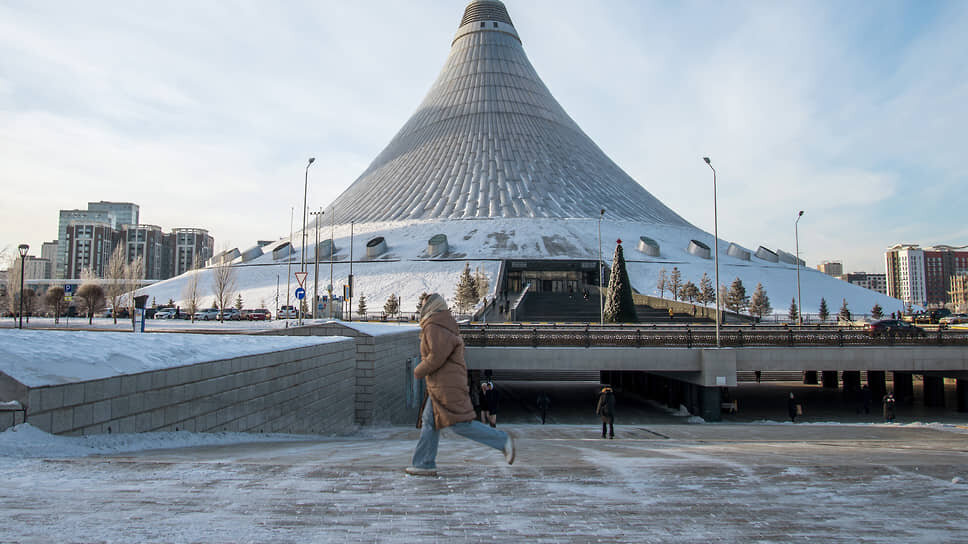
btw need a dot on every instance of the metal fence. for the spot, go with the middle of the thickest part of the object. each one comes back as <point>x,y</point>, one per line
<point>688,337</point>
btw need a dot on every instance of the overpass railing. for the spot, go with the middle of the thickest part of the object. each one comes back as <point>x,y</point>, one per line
<point>687,337</point>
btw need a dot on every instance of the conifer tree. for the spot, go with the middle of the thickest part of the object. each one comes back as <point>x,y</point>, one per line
<point>690,292</point>
<point>794,313</point>
<point>707,293</point>
<point>421,300</point>
<point>238,302</point>
<point>760,303</point>
<point>361,306</point>
<point>877,312</point>
<point>736,299</point>
<point>619,304</point>
<point>392,305</point>
<point>844,313</point>
<point>675,283</point>
<point>824,312</point>
<point>466,292</point>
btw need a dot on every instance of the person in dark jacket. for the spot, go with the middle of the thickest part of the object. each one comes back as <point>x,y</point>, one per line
<point>792,408</point>
<point>606,409</point>
<point>491,400</point>
<point>442,365</point>
<point>889,405</point>
<point>544,402</point>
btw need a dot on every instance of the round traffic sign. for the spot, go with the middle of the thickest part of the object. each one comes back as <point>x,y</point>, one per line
<point>300,293</point>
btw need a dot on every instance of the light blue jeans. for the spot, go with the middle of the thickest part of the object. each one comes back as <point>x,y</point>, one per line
<point>425,456</point>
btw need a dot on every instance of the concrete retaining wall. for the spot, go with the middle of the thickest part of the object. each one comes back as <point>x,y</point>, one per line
<point>302,390</point>
<point>384,366</point>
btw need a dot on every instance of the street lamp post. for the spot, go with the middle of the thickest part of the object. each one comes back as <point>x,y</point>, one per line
<point>23,248</point>
<point>716,249</point>
<point>302,250</point>
<point>316,259</point>
<point>796,235</point>
<point>288,267</point>
<point>601,273</point>
<point>332,257</point>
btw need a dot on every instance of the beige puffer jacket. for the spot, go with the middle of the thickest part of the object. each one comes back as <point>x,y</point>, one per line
<point>442,364</point>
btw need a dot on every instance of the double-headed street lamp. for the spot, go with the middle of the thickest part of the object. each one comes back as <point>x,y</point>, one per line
<point>601,273</point>
<point>716,245</point>
<point>316,259</point>
<point>796,234</point>
<point>23,248</point>
<point>302,252</point>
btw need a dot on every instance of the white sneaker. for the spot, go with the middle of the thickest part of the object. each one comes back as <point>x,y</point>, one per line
<point>509,450</point>
<point>417,471</point>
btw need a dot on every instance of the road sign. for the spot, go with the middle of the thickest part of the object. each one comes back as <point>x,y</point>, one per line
<point>68,298</point>
<point>300,293</point>
<point>301,277</point>
<point>68,289</point>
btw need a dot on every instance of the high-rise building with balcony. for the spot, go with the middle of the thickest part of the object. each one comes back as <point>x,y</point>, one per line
<point>192,247</point>
<point>89,245</point>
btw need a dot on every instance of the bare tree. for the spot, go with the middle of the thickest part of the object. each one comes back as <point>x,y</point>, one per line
<point>481,282</point>
<point>662,282</point>
<point>54,299</point>
<point>223,286</point>
<point>191,293</point>
<point>134,274</point>
<point>115,275</point>
<point>91,294</point>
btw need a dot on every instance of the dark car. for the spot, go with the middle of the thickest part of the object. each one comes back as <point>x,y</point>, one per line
<point>260,314</point>
<point>893,327</point>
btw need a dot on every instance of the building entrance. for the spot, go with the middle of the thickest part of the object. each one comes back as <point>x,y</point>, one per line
<point>551,276</point>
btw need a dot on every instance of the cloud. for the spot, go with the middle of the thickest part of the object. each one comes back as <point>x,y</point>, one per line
<point>203,113</point>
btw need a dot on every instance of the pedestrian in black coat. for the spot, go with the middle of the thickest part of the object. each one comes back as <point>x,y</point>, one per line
<point>606,409</point>
<point>544,402</point>
<point>491,399</point>
<point>792,408</point>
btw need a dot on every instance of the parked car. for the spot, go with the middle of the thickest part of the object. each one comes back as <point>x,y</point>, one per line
<point>258,314</point>
<point>122,313</point>
<point>206,315</point>
<point>165,313</point>
<point>886,327</point>
<point>287,312</point>
<point>231,314</point>
<point>931,316</point>
<point>954,319</point>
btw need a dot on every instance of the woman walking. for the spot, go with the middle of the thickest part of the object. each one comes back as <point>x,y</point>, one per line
<point>442,364</point>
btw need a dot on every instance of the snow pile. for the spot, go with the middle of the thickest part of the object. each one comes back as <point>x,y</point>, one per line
<point>26,441</point>
<point>39,358</point>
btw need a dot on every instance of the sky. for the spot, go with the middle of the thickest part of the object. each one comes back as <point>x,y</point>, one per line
<point>204,114</point>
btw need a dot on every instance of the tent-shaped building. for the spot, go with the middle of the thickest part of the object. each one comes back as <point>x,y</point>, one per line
<point>491,171</point>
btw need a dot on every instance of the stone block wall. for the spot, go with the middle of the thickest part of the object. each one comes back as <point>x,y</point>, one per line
<point>384,367</point>
<point>301,390</point>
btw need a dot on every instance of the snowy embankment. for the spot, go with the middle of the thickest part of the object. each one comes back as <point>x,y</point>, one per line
<point>40,358</point>
<point>406,270</point>
<point>26,441</point>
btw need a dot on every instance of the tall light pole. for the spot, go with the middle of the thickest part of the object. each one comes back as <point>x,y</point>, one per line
<point>716,243</point>
<point>601,273</point>
<point>302,251</point>
<point>332,257</point>
<point>316,259</point>
<point>23,248</point>
<point>288,267</point>
<point>796,234</point>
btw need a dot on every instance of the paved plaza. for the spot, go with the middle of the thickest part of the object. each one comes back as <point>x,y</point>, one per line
<point>667,482</point>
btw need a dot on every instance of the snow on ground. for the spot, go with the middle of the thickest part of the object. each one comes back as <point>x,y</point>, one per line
<point>405,269</point>
<point>26,441</point>
<point>39,358</point>
<point>665,483</point>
